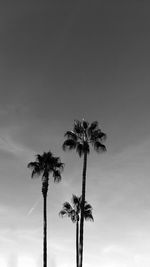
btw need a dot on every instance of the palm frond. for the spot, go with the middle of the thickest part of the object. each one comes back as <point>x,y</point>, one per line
<point>60,166</point>
<point>69,144</point>
<point>45,156</point>
<point>88,216</point>
<point>57,164</point>
<point>48,154</point>
<point>67,210</point>
<point>88,212</point>
<point>98,135</point>
<point>92,127</point>
<point>87,207</point>
<point>99,147</point>
<point>80,199</point>
<point>85,124</point>
<point>78,129</point>
<point>62,213</point>
<point>67,206</point>
<point>36,173</point>
<point>103,136</point>
<point>71,135</point>
<point>39,159</point>
<point>73,216</point>
<point>79,149</point>
<point>32,165</point>
<point>75,201</point>
<point>57,176</point>
<point>82,147</point>
<point>36,169</point>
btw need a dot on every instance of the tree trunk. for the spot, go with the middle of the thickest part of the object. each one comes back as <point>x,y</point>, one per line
<point>77,243</point>
<point>82,209</point>
<point>44,192</point>
<point>45,232</point>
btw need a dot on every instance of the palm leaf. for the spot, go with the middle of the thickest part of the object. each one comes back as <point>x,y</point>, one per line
<point>99,147</point>
<point>67,210</point>
<point>85,124</point>
<point>92,127</point>
<point>73,216</point>
<point>39,159</point>
<point>60,166</point>
<point>67,206</point>
<point>80,199</point>
<point>57,176</point>
<point>62,213</point>
<point>88,216</point>
<point>76,203</point>
<point>75,200</point>
<point>79,149</point>
<point>98,134</point>
<point>87,207</point>
<point>82,147</point>
<point>36,169</point>
<point>69,144</point>
<point>88,212</point>
<point>71,135</point>
<point>78,129</point>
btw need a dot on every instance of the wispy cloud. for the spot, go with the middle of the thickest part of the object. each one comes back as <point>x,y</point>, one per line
<point>8,145</point>
<point>34,206</point>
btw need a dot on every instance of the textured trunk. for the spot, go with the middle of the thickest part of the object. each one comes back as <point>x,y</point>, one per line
<point>77,243</point>
<point>45,232</point>
<point>44,192</point>
<point>82,209</point>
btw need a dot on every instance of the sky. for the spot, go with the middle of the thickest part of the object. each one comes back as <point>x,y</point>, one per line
<point>66,60</point>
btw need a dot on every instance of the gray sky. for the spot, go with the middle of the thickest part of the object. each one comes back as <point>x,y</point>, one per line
<point>60,61</point>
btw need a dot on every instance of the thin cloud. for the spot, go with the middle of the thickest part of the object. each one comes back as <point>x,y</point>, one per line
<point>9,146</point>
<point>33,207</point>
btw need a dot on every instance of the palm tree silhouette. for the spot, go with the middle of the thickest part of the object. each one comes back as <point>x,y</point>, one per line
<point>74,212</point>
<point>81,138</point>
<point>44,165</point>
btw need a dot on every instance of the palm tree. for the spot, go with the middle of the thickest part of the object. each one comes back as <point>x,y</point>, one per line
<point>81,138</point>
<point>44,165</point>
<point>74,212</point>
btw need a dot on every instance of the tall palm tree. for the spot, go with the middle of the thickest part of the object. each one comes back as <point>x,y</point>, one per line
<point>81,138</point>
<point>43,166</point>
<point>74,212</point>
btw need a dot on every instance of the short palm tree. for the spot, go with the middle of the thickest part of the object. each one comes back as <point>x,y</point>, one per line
<point>74,213</point>
<point>43,166</point>
<point>81,138</point>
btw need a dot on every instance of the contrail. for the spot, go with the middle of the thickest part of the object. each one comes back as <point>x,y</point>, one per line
<point>33,207</point>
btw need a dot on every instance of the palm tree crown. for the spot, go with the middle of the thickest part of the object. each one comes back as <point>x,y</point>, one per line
<point>74,211</point>
<point>83,135</point>
<point>44,165</point>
